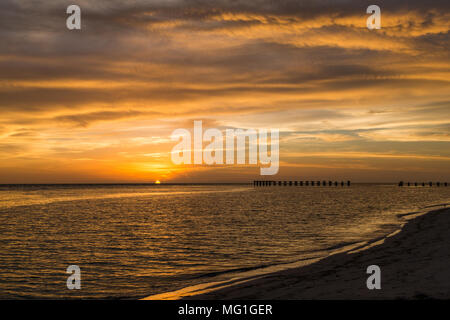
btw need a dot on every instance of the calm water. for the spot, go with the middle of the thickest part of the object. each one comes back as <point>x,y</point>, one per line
<point>133,241</point>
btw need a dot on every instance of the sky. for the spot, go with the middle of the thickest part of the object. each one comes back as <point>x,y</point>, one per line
<point>99,104</point>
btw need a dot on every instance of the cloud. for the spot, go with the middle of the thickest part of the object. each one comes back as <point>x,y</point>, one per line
<point>140,69</point>
<point>85,119</point>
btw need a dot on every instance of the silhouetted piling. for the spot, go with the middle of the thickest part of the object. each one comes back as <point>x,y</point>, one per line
<point>318,183</point>
<point>423,184</point>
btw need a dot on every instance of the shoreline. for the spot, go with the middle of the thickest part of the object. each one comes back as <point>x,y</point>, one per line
<point>414,262</point>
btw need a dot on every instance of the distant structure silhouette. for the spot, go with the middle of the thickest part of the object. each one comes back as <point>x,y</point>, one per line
<point>423,184</point>
<point>290,183</point>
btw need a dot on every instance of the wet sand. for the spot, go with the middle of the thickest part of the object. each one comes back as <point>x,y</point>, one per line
<point>415,264</point>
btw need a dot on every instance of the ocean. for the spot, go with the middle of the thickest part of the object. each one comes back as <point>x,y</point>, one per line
<point>132,241</point>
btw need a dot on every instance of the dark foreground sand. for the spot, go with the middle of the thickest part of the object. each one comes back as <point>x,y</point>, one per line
<point>415,264</point>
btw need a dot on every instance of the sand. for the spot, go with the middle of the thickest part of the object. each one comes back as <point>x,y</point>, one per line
<point>415,264</point>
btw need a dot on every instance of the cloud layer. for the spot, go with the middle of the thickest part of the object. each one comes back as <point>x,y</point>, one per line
<point>350,102</point>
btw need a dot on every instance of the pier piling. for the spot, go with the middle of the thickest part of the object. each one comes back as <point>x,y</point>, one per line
<point>423,184</point>
<point>313,183</point>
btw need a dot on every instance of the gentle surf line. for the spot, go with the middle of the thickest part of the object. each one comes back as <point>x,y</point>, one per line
<point>245,276</point>
<point>260,272</point>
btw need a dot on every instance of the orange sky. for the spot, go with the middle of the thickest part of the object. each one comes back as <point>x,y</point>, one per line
<point>99,105</point>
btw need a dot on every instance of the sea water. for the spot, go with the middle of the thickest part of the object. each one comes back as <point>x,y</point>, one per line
<point>132,241</point>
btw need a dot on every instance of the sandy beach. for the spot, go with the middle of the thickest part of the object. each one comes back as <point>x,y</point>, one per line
<point>415,264</point>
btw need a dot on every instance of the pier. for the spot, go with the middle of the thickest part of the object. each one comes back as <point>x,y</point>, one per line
<point>423,184</point>
<point>330,183</point>
<point>301,183</point>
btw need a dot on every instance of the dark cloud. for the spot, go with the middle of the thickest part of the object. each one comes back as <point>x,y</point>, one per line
<point>309,67</point>
<point>85,119</point>
<point>11,148</point>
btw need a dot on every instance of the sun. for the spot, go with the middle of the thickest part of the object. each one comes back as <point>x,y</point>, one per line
<point>157,182</point>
